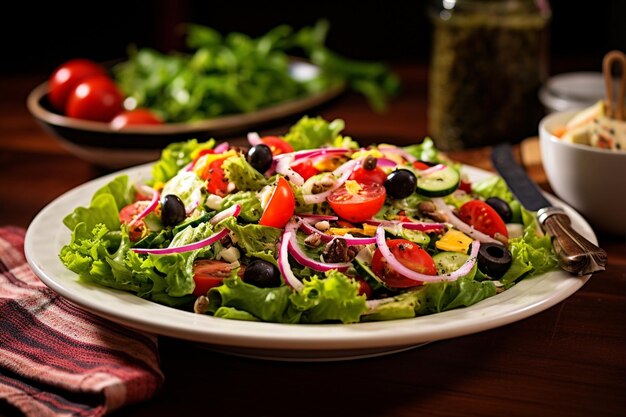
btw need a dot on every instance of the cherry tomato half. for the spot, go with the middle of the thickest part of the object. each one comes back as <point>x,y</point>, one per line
<point>208,274</point>
<point>277,145</point>
<point>135,117</point>
<point>280,207</point>
<point>409,254</point>
<point>364,176</point>
<point>483,218</point>
<point>67,76</point>
<point>95,98</point>
<point>129,213</point>
<point>359,206</point>
<point>216,180</point>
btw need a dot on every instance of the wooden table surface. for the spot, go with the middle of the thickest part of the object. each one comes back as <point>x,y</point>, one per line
<point>569,360</point>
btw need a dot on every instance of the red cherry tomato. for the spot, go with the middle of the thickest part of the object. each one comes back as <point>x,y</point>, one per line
<point>95,98</point>
<point>280,207</point>
<point>67,76</point>
<point>409,254</point>
<point>208,274</point>
<point>364,288</point>
<point>364,176</point>
<point>465,185</point>
<point>360,206</point>
<point>216,180</point>
<point>483,218</point>
<point>277,145</point>
<point>305,168</point>
<point>135,117</point>
<point>129,213</point>
<point>420,165</point>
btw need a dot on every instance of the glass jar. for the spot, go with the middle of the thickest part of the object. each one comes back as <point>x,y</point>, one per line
<point>489,59</point>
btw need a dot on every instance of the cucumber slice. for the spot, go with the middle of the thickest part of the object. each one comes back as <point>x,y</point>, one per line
<point>362,267</point>
<point>439,183</point>
<point>447,262</point>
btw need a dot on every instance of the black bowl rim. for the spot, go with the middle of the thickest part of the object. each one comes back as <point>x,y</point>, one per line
<point>224,123</point>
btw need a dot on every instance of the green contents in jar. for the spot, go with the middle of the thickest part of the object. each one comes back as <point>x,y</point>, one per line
<point>486,70</point>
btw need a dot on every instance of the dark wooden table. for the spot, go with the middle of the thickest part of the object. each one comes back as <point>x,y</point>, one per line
<point>569,360</point>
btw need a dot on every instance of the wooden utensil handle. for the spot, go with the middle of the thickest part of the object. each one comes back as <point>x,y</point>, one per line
<point>575,253</point>
<point>614,108</point>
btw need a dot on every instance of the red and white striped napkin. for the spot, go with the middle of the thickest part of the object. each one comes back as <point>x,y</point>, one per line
<point>59,360</point>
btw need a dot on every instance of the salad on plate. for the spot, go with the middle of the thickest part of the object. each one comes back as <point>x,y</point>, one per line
<point>308,227</point>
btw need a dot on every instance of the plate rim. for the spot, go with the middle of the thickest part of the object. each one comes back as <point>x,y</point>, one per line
<point>271,336</point>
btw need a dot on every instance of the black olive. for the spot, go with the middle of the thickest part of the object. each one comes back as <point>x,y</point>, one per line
<point>494,259</point>
<point>501,207</point>
<point>260,157</point>
<point>400,183</point>
<point>172,210</point>
<point>262,274</point>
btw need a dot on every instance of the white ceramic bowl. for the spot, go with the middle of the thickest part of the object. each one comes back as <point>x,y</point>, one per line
<point>591,180</point>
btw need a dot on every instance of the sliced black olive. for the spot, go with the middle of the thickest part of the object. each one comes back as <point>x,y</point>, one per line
<point>501,207</point>
<point>172,210</point>
<point>260,157</point>
<point>262,274</point>
<point>400,183</point>
<point>494,259</point>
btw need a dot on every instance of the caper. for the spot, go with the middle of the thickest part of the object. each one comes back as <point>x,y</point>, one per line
<point>400,183</point>
<point>260,157</point>
<point>172,210</point>
<point>262,274</point>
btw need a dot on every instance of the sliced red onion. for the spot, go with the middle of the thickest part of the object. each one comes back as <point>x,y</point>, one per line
<point>317,216</point>
<point>350,240</point>
<point>421,226</point>
<point>416,276</point>
<point>233,210</point>
<point>386,163</point>
<point>196,196</point>
<point>221,148</point>
<point>283,167</point>
<point>397,151</point>
<point>345,171</point>
<point>461,225</point>
<point>303,259</point>
<point>185,248</point>
<point>154,202</point>
<point>254,139</point>
<point>310,153</point>
<point>283,263</point>
<point>433,169</point>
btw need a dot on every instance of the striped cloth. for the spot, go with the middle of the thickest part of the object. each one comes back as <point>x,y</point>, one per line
<point>59,360</point>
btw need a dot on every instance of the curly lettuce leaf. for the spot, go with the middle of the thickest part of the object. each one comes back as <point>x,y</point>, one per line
<point>175,156</point>
<point>256,240</point>
<point>104,207</point>
<point>332,298</point>
<point>238,171</point>
<point>314,132</point>
<point>495,186</point>
<point>426,151</point>
<point>251,209</point>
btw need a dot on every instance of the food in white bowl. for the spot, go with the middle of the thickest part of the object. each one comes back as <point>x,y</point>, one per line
<point>591,179</point>
<point>594,127</point>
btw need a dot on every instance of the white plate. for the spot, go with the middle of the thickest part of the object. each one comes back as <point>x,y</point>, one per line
<point>46,235</point>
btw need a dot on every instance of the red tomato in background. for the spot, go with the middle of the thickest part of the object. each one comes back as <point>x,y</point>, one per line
<point>483,218</point>
<point>67,76</point>
<point>129,213</point>
<point>360,206</point>
<point>364,176</point>
<point>135,117</point>
<point>280,207</point>
<point>208,274</point>
<point>95,98</point>
<point>409,254</point>
<point>277,145</point>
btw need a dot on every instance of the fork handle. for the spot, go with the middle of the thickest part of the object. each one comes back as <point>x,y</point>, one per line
<point>575,253</point>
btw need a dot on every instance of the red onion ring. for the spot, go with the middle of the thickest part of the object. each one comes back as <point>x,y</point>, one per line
<point>283,263</point>
<point>397,151</point>
<point>283,167</point>
<point>185,248</point>
<point>461,225</point>
<point>154,202</point>
<point>420,226</point>
<point>233,210</point>
<point>308,229</point>
<point>416,276</point>
<point>312,216</point>
<point>344,170</point>
<point>386,163</point>
<point>254,139</point>
<point>426,172</point>
<point>221,148</point>
<point>303,259</point>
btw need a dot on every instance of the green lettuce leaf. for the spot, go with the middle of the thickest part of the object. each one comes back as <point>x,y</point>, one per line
<point>251,209</point>
<point>495,186</point>
<point>175,156</point>
<point>256,240</point>
<point>333,298</point>
<point>238,171</point>
<point>187,186</point>
<point>311,133</point>
<point>425,151</point>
